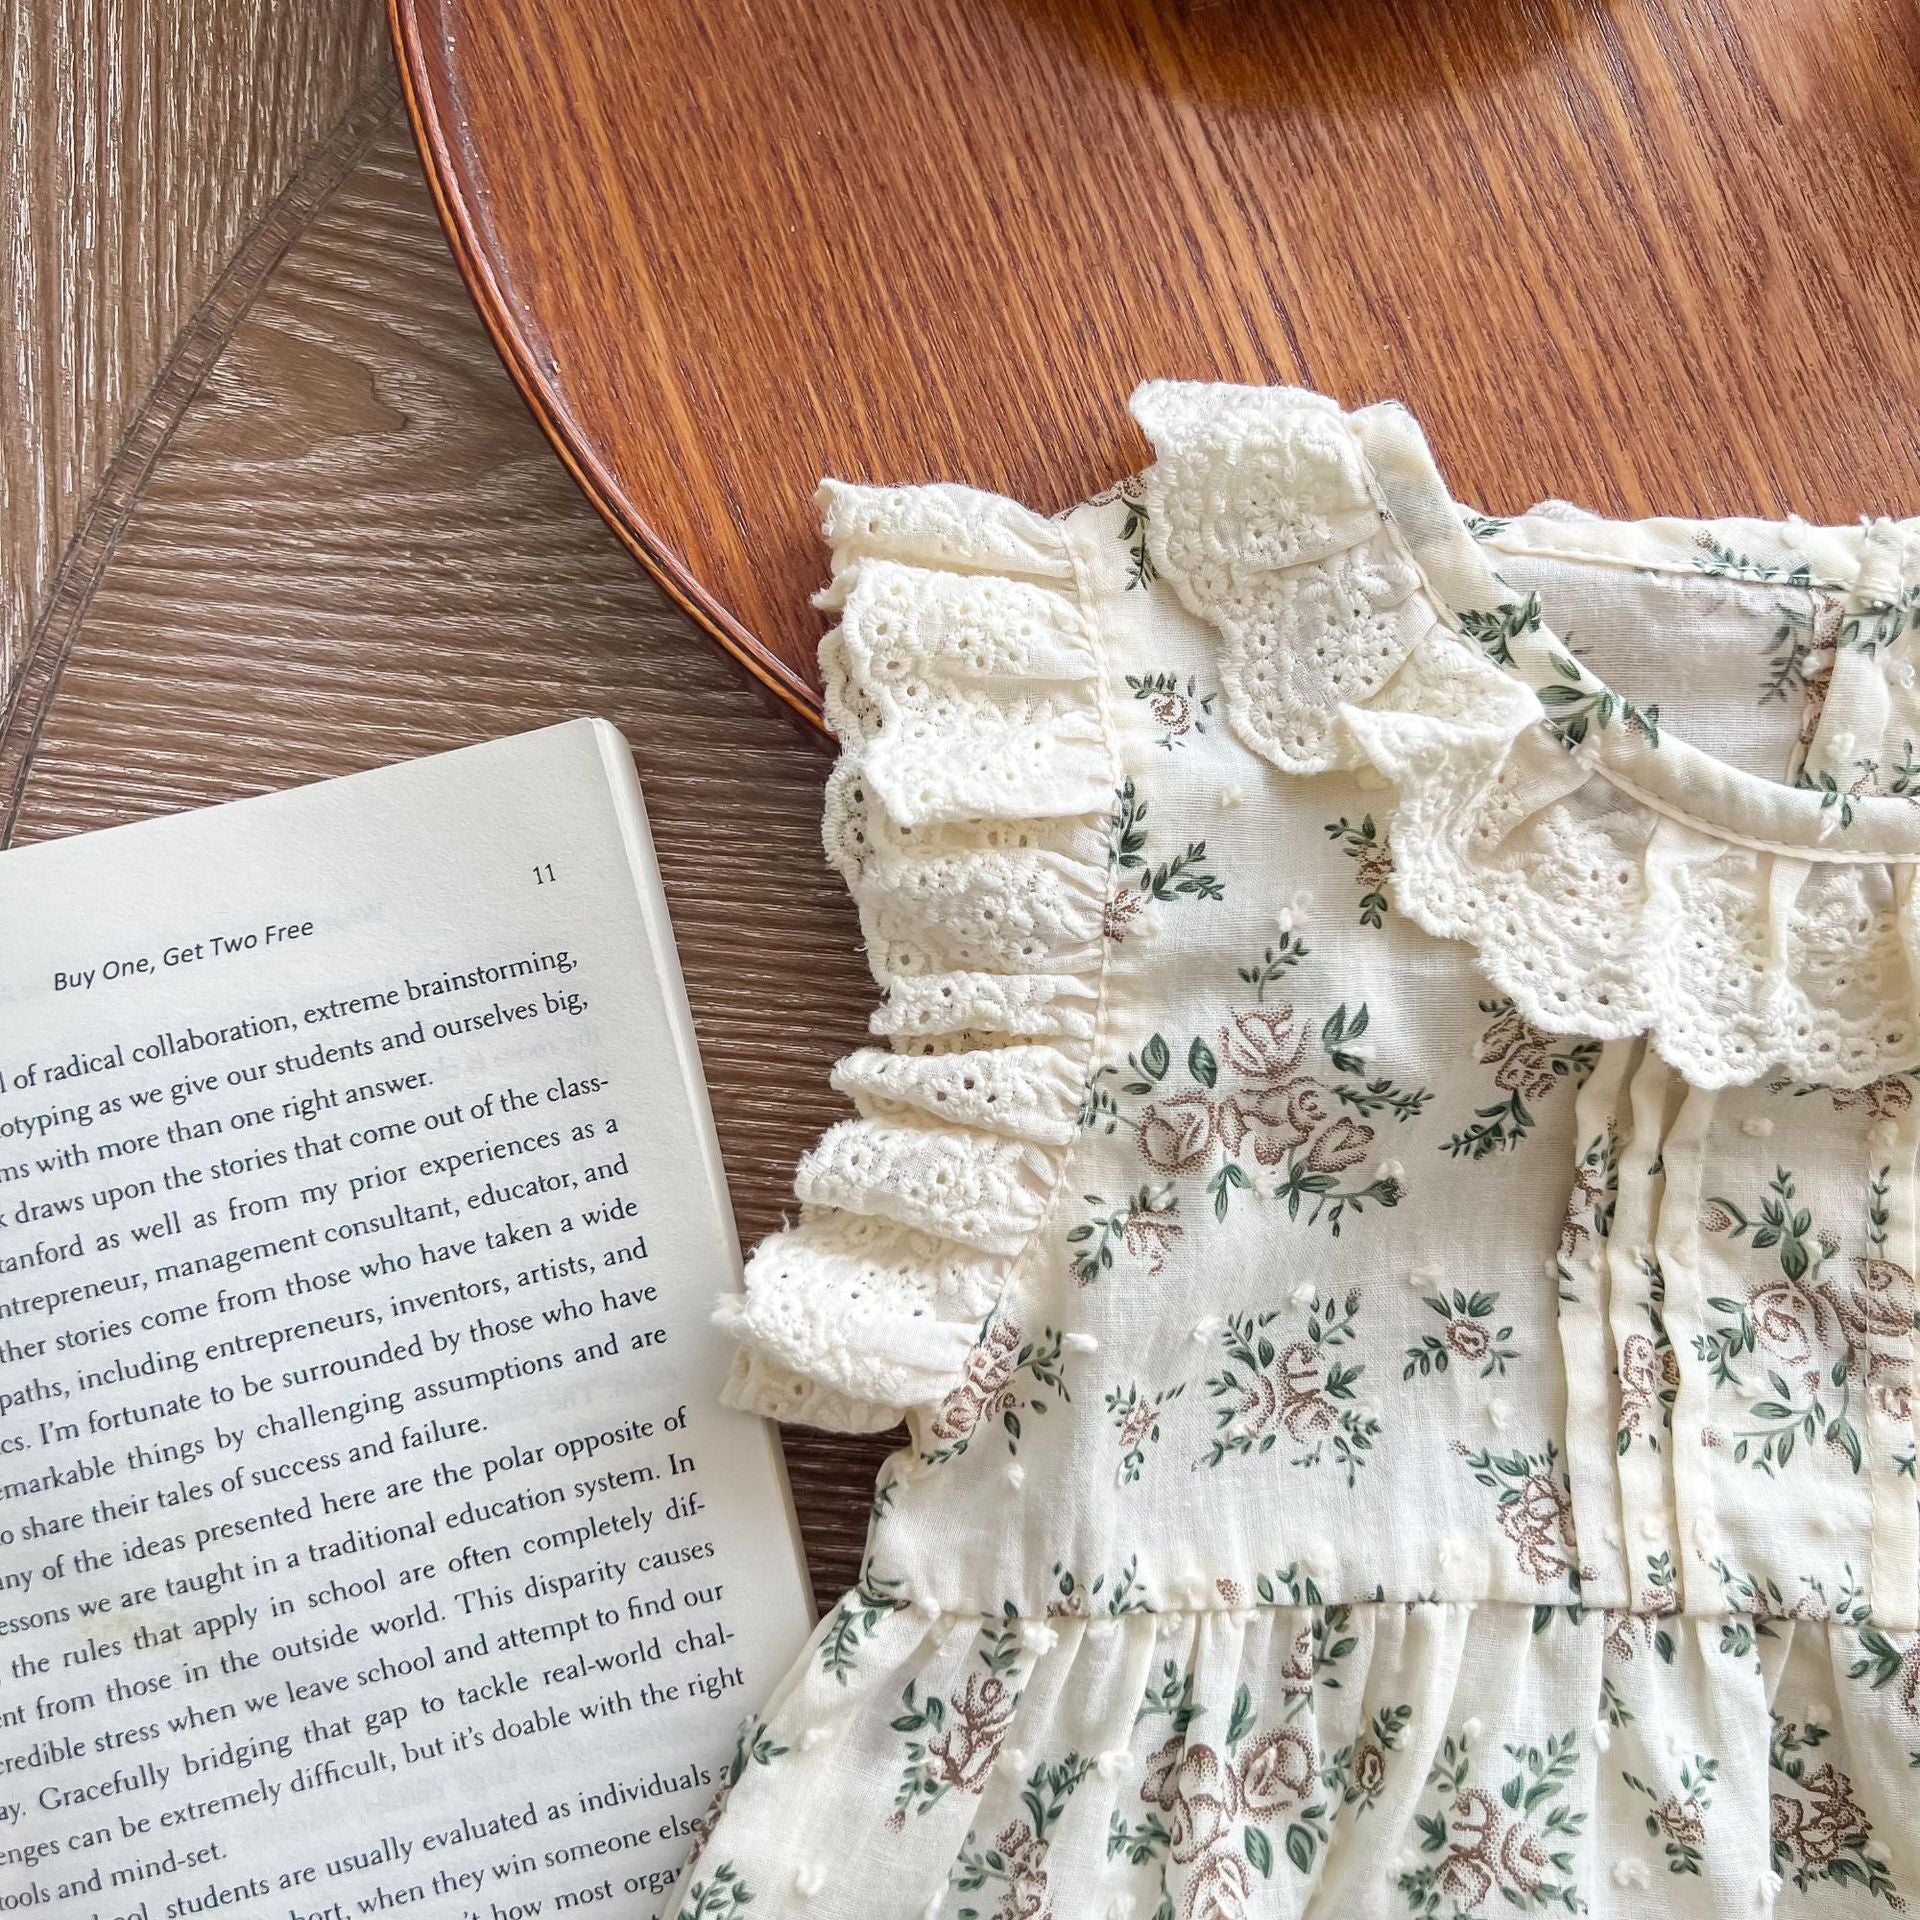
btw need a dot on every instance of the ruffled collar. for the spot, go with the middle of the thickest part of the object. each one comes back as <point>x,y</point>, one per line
<point>1614,879</point>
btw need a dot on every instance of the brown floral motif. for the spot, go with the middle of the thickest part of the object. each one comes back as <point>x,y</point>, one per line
<point>1627,1632</point>
<point>1682,1821</point>
<point>953,1742</point>
<point>1593,1196</point>
<point>1138,1418</point>
<point>1277,1771</point>
<point>1679,1819</point>
<point>1867,1310</point>
<point>1219,1802</point>
<point>997,1386</point>
<point>1519,1053</point>
<point>1358,1773</point>
<point>1220,1887</point>
<point>1468,1339</point>
<point>1516,1844</point>
<point>1527,1067</point>
<point>1826,1331</point>
<point>1200,1788</point>
<point>965,1753</point>
<point>1017,1860</point>
<point>1534,1511</point>
<point>1146,1227</point>
<point>1649,1378</point>
<point>1885,1664</point>
<point>1466,1336</point>
<point>1178,1133</point>
<point>1299,1389</point>
<point>1884,1099</point>
<point>1264,1046</point>
<point>1818,1829</point>
<point>1256,1091</point>
<point>1877,1314</point>
<point>1120,913</point>
<point>1025,1857</point>
<point>1176,704</point>
<point>1342,1145</point>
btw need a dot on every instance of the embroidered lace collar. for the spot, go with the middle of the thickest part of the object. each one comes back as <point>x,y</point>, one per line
<point>1614,879</point>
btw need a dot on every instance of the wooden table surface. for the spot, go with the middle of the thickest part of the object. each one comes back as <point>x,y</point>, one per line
<point>354,547</point>
<point>1644,254</point>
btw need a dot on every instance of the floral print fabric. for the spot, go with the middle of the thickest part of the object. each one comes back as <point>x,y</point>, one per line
<point>1406,1366</point>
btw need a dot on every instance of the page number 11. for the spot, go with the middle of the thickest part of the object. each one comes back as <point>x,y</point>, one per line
<point>543,876</point>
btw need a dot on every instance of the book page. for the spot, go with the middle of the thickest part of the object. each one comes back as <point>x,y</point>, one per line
<point>370,1535</point>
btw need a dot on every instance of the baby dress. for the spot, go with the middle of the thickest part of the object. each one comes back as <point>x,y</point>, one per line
<point>1385,1198</point>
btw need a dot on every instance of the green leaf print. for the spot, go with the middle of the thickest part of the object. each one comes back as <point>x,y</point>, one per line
<point>1577,703</point>
<point>856,1621</point>
<point>1274,964</point>
<point>1875,625</point>
<point>1468,1336</point>
<point>1366,845</point>
<point>1338,1034</point>
<point>1134,522</point>
<point>997,1386</point>
<point>718,1897</point>
<point>1527,1065</point>
<point>1138,1419</point>
<point>1246,1098</point>
<point>1719,561</point>
<point>1493,631</point>
<point>1154,1061</point>
<point>1825,1330</point>
<point>1145,1227</point>
<point>1141,880</point>
<point>1259,1852</point>
<point>1819,1830</point>
<point>1516,1842</point>
<point>1300,1392</point>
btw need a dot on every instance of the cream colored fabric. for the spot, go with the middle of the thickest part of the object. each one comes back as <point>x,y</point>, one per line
<point>1385,1199</point>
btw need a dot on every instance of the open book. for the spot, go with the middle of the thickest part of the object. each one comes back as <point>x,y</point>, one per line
<point>370,1534</point>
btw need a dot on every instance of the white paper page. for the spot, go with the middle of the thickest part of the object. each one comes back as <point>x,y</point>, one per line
<point>370,1535</point>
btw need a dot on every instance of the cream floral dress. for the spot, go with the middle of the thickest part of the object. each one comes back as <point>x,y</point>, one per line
<point>1385,1197</point>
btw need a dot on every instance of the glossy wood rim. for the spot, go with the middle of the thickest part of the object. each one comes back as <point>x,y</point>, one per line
<point>434,118</point>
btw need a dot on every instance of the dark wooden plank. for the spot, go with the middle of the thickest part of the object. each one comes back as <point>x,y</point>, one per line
<point>356,548</point>
<point>146,141</point>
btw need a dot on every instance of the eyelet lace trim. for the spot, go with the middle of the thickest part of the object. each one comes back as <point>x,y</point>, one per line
<point>965,814</point>
<point>1603,917</point>
<point>1598,913</point>
<point>1263,519</point>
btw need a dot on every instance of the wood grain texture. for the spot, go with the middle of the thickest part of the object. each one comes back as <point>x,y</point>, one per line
<point>1646,254</point>
<point>141,144</point>
<point>356,548</point>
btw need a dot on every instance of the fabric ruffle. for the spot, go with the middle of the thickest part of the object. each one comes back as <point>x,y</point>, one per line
<point>966,814</point>
<point>1318,1762</point>
<point>1611,882</point>
<point>1265,523</point>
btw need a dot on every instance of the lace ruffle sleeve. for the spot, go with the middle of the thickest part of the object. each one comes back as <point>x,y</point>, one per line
<point>966,815</point>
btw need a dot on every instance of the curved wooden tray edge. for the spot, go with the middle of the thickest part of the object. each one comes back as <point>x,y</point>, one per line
<point>420,88</point>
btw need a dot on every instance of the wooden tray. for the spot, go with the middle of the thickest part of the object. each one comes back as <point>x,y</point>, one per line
<point>1650,256</point>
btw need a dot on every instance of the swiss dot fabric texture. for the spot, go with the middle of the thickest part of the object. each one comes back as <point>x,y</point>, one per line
<point>1384,1195</point>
